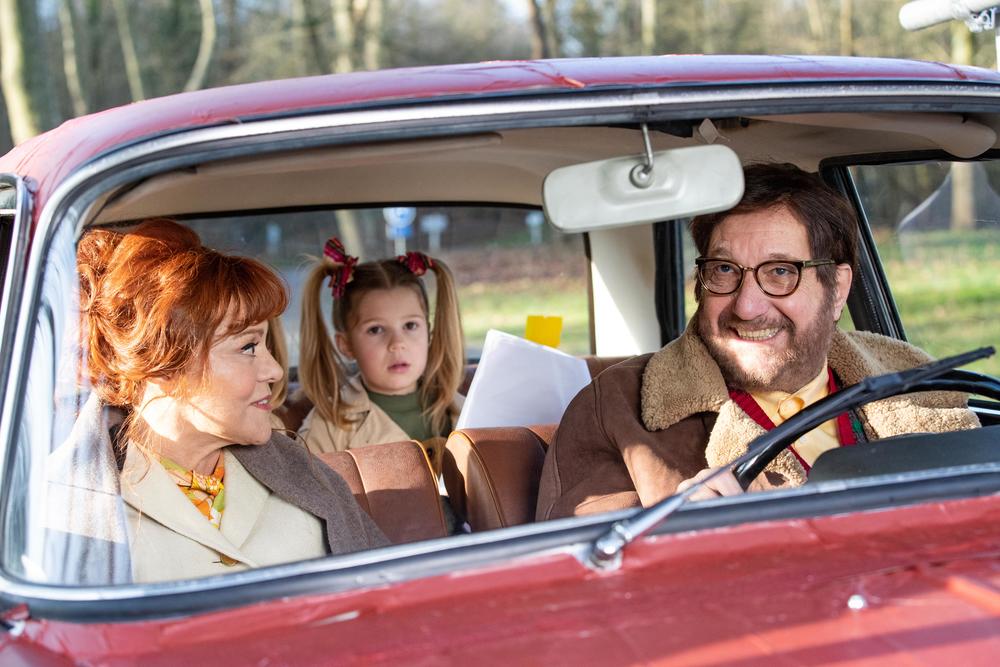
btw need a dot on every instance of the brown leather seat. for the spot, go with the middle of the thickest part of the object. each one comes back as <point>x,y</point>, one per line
<point>492,473</point>
<point>394,484</point>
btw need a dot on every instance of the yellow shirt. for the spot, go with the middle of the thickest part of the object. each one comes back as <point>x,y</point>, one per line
<point>781,406</point>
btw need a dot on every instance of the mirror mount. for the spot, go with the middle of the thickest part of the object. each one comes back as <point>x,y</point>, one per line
<point>641,175</point>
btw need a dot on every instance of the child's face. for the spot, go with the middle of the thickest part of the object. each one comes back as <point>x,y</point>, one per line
<point>389,340</point>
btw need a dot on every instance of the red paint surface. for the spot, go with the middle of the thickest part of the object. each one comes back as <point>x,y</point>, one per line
<point>768,594</point>
<point>51,157</point>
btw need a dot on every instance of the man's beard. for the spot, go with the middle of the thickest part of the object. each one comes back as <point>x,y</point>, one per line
<point>789,370</point>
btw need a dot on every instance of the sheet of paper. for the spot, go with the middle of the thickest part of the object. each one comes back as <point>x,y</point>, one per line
<point>518,383</point>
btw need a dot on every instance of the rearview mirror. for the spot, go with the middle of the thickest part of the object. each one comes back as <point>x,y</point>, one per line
<point>682,182</point>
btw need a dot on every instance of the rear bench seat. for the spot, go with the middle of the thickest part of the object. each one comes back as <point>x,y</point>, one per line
<point>394,484</point>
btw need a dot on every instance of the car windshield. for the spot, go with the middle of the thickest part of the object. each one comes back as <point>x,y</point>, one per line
<point>931,231</point>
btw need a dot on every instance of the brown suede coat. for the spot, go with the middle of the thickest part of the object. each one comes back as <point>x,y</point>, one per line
<point>646,424</point>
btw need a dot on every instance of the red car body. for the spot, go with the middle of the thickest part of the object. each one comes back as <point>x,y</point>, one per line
<point>914,582</point>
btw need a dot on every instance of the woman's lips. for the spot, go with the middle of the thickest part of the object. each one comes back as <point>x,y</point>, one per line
<point>263,404</point>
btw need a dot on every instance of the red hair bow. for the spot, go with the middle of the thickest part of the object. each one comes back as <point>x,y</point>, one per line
<point>333,249</point>
<point>416,262</point>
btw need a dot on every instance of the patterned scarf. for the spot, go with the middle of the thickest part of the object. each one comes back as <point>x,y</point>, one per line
<point>207,492</point>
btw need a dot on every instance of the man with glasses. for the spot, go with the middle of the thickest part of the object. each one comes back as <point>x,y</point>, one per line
<point>773,277</point>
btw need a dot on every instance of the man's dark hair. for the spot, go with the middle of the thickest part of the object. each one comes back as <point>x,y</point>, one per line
<point>828,217</point>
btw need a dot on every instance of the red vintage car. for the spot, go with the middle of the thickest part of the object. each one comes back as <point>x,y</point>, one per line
<point>895,559</point>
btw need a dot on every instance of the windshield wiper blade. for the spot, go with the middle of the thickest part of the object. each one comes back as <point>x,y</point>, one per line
<point>606,551</point>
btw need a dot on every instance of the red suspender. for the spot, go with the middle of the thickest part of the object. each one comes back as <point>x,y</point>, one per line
<point>845,434</point>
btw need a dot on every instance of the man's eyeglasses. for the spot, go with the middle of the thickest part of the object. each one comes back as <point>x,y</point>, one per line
<point>776,278</point>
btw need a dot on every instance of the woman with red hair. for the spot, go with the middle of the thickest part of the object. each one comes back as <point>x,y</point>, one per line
<point>174,340</point>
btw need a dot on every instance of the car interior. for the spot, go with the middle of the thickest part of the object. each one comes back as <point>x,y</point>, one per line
<point>490,474</point>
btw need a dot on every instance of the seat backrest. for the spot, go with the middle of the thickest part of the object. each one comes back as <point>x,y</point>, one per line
<point>394,484</point>
<point>492,473</point>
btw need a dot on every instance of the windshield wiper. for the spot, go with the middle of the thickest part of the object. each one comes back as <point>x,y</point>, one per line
<point>606,552</point>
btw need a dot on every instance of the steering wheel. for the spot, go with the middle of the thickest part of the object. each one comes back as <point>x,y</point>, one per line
<point>765,448</point>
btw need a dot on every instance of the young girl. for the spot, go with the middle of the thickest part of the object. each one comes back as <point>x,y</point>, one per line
<point>407,371</point>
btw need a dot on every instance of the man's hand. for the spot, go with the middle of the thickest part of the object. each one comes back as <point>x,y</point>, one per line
<point>723,485</point>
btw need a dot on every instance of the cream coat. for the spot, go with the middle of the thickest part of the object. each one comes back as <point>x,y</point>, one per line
<point>170,539</point>
<point>370,424</point>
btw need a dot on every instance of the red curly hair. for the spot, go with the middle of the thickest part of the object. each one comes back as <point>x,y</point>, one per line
<point>152,299</point>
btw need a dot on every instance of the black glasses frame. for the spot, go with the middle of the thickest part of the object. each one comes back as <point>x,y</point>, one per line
<point>799,264</point>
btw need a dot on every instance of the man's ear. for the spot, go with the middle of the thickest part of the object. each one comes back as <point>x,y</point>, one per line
<point>344,345</point>
<point>843,287</point>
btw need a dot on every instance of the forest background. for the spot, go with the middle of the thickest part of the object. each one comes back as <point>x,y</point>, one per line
<point>65,58</point>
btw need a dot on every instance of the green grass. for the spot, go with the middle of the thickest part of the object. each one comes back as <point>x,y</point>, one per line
<point>505,306</point>
<point>947,289</point>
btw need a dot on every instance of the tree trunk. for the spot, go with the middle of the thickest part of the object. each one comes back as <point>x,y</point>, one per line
<point>846,27</point>
<point>554,34</point>
<point>372,50</point>
<point>310,40</point>
<point>963,200</point>
<point>343,27</point>
<point>647,17</point>
<point>205,47</point>
<point>132,69</point>
<point>22,77</point>
<point>70,58</point>
<point>539,38</point>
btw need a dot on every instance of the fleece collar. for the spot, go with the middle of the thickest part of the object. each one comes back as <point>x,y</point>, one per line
<point>682,380</point>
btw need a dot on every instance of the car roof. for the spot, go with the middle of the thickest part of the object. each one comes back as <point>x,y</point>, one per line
<point>51,156</point>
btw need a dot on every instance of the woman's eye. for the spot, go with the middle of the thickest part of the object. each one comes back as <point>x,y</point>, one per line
<point>250,348</point>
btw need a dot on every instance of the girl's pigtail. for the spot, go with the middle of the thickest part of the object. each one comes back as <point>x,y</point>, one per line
<point>319,370</point>
<point>446,355</point>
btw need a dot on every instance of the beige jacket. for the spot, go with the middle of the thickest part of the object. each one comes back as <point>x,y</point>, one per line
<point>370,425</point>
<point>170,539</point>
<point>643,426</point>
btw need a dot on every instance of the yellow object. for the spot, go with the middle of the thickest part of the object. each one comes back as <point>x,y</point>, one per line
<point>543,329</point>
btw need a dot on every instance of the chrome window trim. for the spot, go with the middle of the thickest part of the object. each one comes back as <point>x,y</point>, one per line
<point>72,199</point>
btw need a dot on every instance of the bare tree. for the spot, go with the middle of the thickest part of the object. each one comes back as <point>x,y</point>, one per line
<point>132,69</point>
<point>647,14</point>
<point>22,74</point>
<point>553,33</point>
<point>70,60</point>
<point>372,48</point>
<point>358,28</point>
<point>206,46</point>
<point>539,34</point>
<point>963,197</point>
<point>307,25</point>
<point>846,27</point>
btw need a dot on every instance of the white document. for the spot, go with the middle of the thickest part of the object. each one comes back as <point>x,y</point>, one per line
<point>518,383</point>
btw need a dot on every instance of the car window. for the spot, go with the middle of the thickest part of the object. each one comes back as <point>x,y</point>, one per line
<point>937,229</point>
<point>508,263</point>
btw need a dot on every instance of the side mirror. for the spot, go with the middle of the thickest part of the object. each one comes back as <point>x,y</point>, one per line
<point>675,183</point>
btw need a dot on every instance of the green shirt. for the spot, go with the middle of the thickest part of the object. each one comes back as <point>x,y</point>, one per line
<point>406,411</point>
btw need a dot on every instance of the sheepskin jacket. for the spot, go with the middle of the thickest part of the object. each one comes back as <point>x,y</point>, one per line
<point>643,426</point>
